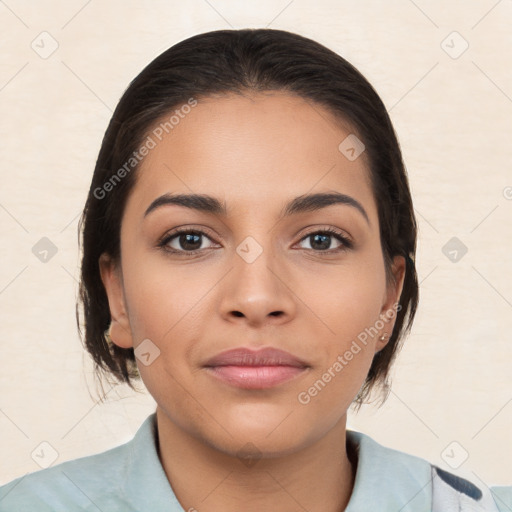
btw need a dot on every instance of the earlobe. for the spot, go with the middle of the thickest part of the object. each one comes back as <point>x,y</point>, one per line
<point>390,307</point>
<point>111,277</point>
<point>382,341</point>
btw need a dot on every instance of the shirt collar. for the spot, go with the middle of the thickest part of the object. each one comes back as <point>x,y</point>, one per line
<point>145,471</point>
<point>386,479</point>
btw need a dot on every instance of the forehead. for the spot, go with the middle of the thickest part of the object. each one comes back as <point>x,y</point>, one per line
<point>252,151</point>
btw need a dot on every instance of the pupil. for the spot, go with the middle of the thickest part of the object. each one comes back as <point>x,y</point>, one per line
<point>326,241</point>
<point>186,238</point>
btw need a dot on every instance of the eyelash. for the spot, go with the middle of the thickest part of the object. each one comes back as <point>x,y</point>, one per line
<point>346,242</point>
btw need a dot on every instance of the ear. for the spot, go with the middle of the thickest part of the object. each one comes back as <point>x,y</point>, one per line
<point>111,276</point>
<point>391,299</point>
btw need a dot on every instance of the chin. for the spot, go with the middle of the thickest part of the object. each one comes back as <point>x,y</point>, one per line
<point>249,448</point>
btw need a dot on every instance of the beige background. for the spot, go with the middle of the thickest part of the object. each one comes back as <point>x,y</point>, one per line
<point>452,112</point>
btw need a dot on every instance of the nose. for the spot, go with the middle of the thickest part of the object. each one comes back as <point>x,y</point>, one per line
<point>258,292</point>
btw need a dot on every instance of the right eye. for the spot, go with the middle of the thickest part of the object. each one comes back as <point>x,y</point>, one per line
<point>184,241</point>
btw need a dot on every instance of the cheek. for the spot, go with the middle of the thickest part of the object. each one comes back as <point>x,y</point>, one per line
<point>165,307</point>
<point>169,306</point>
<point>162,299</point>
<point>348,299</point>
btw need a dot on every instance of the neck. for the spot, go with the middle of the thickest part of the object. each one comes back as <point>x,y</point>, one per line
<point>318,477</point>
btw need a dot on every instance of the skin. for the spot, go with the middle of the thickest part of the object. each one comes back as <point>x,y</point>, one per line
<point>255,153</point>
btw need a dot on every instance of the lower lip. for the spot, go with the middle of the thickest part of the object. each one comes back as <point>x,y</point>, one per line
<point>255,377</point>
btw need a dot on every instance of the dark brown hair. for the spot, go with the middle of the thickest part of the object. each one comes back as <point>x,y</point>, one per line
<point>240,61</point>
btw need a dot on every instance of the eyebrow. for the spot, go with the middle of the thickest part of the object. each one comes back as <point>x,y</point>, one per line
<point>300,204</point>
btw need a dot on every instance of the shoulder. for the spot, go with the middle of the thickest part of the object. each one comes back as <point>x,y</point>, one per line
<point>71,485</point>
<point>126,478</point>
<point>105,481</point>
<point>414,484</point>
<point>503,497</point>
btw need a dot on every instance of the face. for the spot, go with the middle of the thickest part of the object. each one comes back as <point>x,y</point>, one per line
<point>310,281</point>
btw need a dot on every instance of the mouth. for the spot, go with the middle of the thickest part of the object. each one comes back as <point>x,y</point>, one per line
<point>249,369</point>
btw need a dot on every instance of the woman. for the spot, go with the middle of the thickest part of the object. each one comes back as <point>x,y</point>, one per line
<point>248,252</point>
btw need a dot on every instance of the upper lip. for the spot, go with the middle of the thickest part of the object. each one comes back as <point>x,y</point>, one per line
<point>248,357</point>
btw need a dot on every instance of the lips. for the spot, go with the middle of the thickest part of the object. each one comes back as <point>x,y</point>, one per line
<point>249,369</point>
<point>262,357</point>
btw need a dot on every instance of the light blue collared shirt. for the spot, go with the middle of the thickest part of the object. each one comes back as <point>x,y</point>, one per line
<point>130,478</point>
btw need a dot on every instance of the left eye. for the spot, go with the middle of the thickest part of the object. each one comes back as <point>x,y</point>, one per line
<point>321,240</point>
